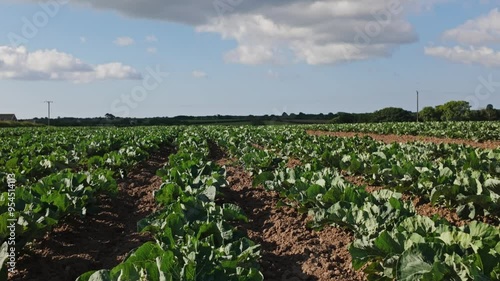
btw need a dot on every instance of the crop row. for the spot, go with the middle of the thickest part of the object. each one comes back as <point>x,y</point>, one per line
<point>478,131</point>
<point>194,234</point>
<point>39,152</point>
<point>392,241</point>
<point>194,238</point>
<point>47,191</point>
<point>451,175</point>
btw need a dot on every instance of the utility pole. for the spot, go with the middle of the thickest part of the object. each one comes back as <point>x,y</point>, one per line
<point>417,107</point>
<point>48,102</point>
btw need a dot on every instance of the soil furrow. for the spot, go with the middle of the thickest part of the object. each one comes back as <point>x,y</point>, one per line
<point>423,207</point>
<point>290,250</point>
<point>408,138</point>
<point>104,237</point>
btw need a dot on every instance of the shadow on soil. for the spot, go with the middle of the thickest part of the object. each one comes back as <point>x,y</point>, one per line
<point>104,237</point>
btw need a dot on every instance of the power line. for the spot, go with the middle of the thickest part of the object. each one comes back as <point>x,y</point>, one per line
<point>48,102</point>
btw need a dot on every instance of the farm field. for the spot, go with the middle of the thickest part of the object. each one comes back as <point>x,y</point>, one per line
<point>311,202</point>
<point>475,131</point>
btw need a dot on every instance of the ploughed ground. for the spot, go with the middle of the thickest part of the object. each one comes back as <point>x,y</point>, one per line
<point>422,207</point>
<point>290,250</point>
<point>103,238</point>
<point>425,208</point>
<point>408,138</point>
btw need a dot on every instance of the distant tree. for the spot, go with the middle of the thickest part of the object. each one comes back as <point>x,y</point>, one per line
<point>344,117</point>
<point>455,111</point>
<point>109,116</point>
<point>429,113</point>
<point>284,114</point>
<point>392,114</point>
<point>490,113</point>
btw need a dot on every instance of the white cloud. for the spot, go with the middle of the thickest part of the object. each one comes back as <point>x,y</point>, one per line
<point>252,54</point>
<point>315,32</point>
<point>319,33</point>
<point>476,38</point>
<point>124,41</point>
<point>483,55</point>
<point>480,31</point>
<point>83,40</point>
<point>151,38</point>
<point>20,64</point>
<point>152,50</point>
<point>196,12</point>
<point>199,74</point>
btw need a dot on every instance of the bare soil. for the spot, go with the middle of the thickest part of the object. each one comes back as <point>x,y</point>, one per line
<point>422,207</point>
<point>103,238</point>
<point>290,250</point>
<point>425,208</point>
<point>360,181</point>
<point>293,162</point>
<point>407,138</point>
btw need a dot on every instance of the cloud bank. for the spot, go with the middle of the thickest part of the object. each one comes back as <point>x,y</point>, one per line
<point>314,32</point>
<point>20,64</point>
<point>478,41</point>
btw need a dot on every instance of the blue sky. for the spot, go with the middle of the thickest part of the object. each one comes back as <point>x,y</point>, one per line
<point>245,57</point>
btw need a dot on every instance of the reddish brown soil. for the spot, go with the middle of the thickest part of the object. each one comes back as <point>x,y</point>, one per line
<point>427,209</point>
<point>407,138</point>
<point>360,181</point>
<point>290,251</point>
<point>293,162</point>
<point>101,239</point>
<point>422,207</point>
<point>258,146</point>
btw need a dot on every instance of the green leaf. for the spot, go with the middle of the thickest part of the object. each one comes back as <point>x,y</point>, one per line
<point>210,229</point>
<point>101,275</point>
<point>168,193</point>
<point>233,212</point>
<point>147,252</point>
<point>253,275</point>
<point>262,178</point>
<point>314,190</point>
<point>4,255</point>
<point>439,271</point>
<point>493,184</point>
<point>12,165</point>
<point>412,265</point>
<point>211,193</point>
<point>361,254</point>
<point>387,244</point>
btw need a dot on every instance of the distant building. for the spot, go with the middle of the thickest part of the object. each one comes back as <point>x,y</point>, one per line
<point>8,117</point>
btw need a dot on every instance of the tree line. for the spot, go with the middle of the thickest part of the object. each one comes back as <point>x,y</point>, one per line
<point>459,111</point>
<point>450,111</point>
